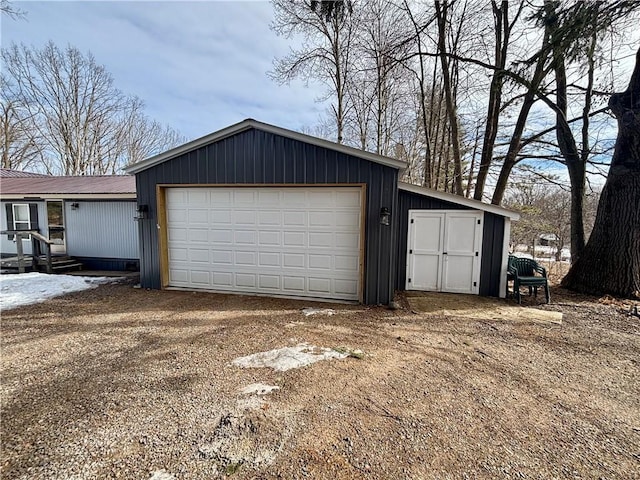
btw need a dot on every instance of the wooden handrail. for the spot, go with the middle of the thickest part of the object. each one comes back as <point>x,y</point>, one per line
<point>35,238</point>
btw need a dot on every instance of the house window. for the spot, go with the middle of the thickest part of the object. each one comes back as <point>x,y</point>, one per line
<point>21,217</point>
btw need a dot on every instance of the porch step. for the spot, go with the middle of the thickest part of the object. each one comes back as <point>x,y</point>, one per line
<point>61,264</point>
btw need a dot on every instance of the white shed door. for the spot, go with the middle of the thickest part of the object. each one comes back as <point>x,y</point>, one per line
<point>300,241</point>
<point>444,251</point>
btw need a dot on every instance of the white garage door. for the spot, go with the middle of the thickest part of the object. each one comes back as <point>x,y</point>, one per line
<point>302,242</point>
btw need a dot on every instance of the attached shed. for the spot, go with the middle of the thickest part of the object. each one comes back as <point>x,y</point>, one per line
<point>259,209</point>
<point>450,243</point>
<point>89,218</point>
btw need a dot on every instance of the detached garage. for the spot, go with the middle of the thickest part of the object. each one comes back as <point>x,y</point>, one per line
<point>259,209</point>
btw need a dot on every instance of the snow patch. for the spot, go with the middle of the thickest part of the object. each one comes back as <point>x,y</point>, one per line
<point>315,311</point>
<point>162,475</point>
<point>258,389</point>
<point>21,289</point>
<point>287,358</point>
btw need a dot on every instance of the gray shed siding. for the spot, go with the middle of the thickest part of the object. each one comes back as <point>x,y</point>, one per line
<point>101,229</point>
<point>492,234</point>
<point>255,157</point>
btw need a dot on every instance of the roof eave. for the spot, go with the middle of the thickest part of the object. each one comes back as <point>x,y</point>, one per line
<point>265,127</point>
<point>67,196</point>
<point>467,202</point>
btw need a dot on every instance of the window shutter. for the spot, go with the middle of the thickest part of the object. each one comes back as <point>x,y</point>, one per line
<point>33,216</point>
<point>9,207</point>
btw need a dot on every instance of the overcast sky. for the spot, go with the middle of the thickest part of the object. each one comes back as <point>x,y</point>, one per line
<point>198,66</point>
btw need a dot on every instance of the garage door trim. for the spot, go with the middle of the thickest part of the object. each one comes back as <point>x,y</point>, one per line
<point>162,226</point>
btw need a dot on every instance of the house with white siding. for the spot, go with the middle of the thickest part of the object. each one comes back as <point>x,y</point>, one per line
<point>89,218</point>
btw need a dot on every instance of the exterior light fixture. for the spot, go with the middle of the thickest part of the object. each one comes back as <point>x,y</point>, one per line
<point>75,206</point>
<point>385,216</point>
<point>141,212</point>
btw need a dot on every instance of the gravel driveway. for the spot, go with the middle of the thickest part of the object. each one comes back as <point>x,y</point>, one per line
<point>118,382</point>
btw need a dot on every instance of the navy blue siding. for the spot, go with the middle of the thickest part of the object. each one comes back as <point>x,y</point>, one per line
<point>492,243</point>
<point>492,234</point>
<point>258,157</point>
<point>110,264</point>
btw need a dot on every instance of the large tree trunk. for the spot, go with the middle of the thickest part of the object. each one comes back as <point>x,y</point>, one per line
<point>610,262</point>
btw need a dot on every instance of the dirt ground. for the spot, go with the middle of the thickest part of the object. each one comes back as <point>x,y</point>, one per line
<point>118,382</point>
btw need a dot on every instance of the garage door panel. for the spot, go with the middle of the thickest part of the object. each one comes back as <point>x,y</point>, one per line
<point>178,276</point>
<point>294,197</point>
<point>294,239</point>
<point>321,219</point>
<point>346,287</point>
<point>198,235</point>
<point>294,219</point>
<point>247,280</point>
<point>350,198</point>
<point>269,197</point>
<point>177,216</point>
<point>244,217</point>
<point>244,195</point>
<point>347,219</point>
<point>269,259</point>
<point>349,241</point>
<point>271,282</point>
<point>198,216</point>
<point>319,285</point>
<point>347,263</point>
<point>295,285</point>
<point>245,237</point>
<point>222,279</point>
<point>177,234</point>
<point>270,218</point>
<point>177,196</point>
<point>269,238</point>
<point>323,262</point>
<point>221,236</point>
<point>198,255</point>
<point>222,257</point>
<point>200,278</point>
<point>221,217</point>
<point>287,241</point>
<point>246,258</point>
<point>320,240</point>
<point>218,197</point>
<point>178,254</point>
<point>197,196</point>
<point>293,260</point>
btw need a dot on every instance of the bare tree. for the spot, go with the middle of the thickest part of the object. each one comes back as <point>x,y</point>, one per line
<point>503,26</point>
<point>324,55</point>
<point>7,8</point>
<point>68,104</point>
<point>442,11</point>
<point>19,148</point>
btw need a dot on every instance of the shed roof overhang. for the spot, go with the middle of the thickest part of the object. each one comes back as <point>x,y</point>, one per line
<point>460,200</point>
<point>265,127</point>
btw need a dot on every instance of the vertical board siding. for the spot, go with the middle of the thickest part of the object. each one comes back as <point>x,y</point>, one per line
<point>490,269</point>
<point>492,231</point>
<point>101,229</point>
<point>257,157</point>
